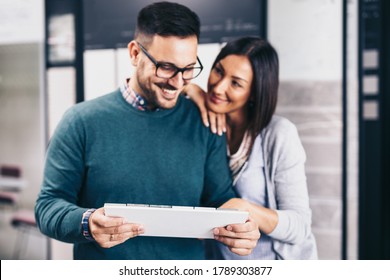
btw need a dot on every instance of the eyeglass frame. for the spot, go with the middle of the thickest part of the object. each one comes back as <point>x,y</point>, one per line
<point>178,69</point>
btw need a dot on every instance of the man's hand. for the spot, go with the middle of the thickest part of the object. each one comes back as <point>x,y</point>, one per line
<point>109,231</point>
<point>240,238</point>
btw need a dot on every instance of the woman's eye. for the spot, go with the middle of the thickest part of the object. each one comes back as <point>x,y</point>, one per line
<point>218,70</point>
<point>236,84</point>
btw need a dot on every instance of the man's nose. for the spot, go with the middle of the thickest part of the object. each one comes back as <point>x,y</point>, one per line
<point>177,81</point>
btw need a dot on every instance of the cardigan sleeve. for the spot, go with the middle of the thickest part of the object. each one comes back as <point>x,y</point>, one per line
<point>286,159</point>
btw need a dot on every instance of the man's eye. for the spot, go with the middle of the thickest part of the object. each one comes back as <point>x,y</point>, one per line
<point>167,67</point>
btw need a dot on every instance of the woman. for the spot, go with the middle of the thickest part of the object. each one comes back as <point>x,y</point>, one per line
<point>265,152</point>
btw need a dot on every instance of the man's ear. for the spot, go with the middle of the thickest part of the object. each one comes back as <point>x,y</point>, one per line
<point>134,52</point>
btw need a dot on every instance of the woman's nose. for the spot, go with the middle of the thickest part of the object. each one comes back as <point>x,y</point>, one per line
<point>221,86</point>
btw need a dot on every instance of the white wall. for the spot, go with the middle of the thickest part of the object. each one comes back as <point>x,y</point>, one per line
<point>21,21</point>
<point>307,36</point>
<point>21,105</point>
<point>21,42</point>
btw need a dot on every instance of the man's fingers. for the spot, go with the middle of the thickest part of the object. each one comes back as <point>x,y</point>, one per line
<point>118,230</point>
<point>111,231</point>
<point>99,219</point>
<point>124,229</point>
<point>114,236</point>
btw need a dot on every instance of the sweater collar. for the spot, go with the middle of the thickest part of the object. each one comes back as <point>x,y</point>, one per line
<point>133,98</point>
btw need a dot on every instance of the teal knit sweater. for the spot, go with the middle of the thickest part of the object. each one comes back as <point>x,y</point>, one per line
<point>104,150</point>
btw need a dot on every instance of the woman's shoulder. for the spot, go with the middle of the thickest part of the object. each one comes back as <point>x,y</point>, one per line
<point>279,126</point>
<point>281,140</point>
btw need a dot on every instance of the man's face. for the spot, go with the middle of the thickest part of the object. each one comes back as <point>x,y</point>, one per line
<point>164,92</point>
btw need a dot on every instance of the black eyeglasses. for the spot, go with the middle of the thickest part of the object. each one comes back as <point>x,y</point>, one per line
<point>168,70</point>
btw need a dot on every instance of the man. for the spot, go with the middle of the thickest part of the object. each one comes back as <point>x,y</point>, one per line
<point>141,144</point>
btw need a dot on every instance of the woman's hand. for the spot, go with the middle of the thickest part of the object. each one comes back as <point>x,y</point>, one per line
<point>216,122</point>
<point>266,219</point>
<point>240,238</point>
<point>237,203</point>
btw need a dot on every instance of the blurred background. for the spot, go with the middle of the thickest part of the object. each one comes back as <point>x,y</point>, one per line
<point>334,73</point>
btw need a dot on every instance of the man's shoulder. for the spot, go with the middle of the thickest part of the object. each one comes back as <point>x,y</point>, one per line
<point>189,107</point>
<point>98,101</point>
<point>189,116</point>
<point>93,106</point>
<point>186,102</point>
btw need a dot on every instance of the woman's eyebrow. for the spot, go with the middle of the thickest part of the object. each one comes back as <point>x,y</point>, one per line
<point>239,78</point>
<point>219,64</point>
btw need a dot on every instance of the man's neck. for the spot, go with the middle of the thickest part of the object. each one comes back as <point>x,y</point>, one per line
<point>133,84</point>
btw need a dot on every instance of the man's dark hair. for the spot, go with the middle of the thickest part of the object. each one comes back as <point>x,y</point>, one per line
<point>167,19</point>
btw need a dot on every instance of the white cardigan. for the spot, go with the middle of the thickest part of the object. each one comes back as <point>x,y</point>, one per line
<point>284,159</point>
<point>279,152</point>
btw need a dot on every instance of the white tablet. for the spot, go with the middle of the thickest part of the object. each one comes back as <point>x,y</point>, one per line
<point>176,221</point>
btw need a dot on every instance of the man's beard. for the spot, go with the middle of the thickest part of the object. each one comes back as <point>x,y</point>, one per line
<point>152,97</point>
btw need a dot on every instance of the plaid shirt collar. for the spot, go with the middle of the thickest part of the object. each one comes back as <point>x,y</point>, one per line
<point>133,98</point>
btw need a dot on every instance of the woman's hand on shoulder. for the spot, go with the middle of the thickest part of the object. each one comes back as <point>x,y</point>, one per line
<point>216,122</point>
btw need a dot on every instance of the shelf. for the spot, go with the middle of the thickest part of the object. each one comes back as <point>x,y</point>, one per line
<point>10,183</point>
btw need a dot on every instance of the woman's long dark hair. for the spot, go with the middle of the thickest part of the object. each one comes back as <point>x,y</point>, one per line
<point>264,89</point>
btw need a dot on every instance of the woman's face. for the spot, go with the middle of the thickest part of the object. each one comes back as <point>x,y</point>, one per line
<point>229,85</point>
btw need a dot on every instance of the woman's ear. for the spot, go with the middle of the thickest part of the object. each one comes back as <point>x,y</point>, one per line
<point>134,52</point>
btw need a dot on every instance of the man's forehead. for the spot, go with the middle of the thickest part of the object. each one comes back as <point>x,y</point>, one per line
<point>177,50</point>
